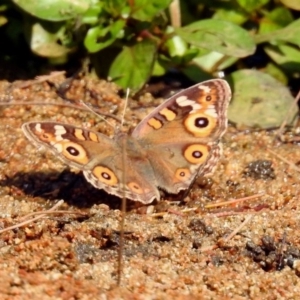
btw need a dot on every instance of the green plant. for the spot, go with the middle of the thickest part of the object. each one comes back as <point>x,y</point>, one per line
<point>136,37</point>
<point>129,41</point>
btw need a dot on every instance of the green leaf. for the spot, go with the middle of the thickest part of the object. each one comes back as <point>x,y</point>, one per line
<point>259,100</point>
<point>98,38</point>
<point>176,46</point>
<point>230,11</point>
<point>46,44</point>
<point>189,55</point>
<point>158,69</point>
<point>288,34</point>
<point>91,16</point>
<point>251,5</point>
<point>133,66</point>
<point>274,20</point>
<point>281,16</point>
<point>286,56</point>
<point>213,61</point>
<point>276,72</point>
<point>230,15</point>
<point>195,73</point>
<point>145,10</point>
<point>54,10</point>
<point>219,36</point>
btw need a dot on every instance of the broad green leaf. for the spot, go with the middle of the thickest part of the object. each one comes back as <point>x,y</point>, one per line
<point>133,66</point>
<point>208,61</point>
<point>251,5</point>
<point>274,20</point>
<point>176,46</point>
<point>45,44</point>
<point>213,61</point>
<point>293,4</point>
<point>286,56</point>
<point>219,36</point>
<point>145,10</point>
<point>281,16</point>
<point>288,34</point>
<point>178,49</point>
<point>91,16</point>
<point>189,55</point>
<point>259,100</point>
<point>54,10</point>
<point>195,73</point>
<point>98,38</point>
<point>231,15</point>
<point>273,70</point>
<point>158,69</point>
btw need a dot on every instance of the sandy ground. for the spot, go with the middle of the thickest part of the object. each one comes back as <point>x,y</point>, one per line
<point>180,252</point>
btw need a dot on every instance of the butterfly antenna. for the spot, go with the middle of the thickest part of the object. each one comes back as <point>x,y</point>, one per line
<point>99,116</point>
<point>125,106</point>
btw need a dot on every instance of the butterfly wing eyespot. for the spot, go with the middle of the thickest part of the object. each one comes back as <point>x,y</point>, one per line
<point>182,174</point>
<point>105,175</point>
<point>200,125</point>
<point>72,151</point>
<point>135,188</point>
<point>46,137</point>
<point>196,153</point>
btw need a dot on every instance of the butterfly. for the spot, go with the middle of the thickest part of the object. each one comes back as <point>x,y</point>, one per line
<point>177,141</point>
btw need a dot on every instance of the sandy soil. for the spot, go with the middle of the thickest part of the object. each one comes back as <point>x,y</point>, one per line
<point>181,252</point>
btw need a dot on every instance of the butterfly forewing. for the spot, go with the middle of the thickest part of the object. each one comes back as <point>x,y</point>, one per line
<point>199,111</point>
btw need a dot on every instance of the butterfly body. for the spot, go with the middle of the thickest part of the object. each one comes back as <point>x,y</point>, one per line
<point>168,149</point>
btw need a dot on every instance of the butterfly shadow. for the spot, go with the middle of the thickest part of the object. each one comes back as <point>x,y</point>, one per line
<point>76,191</point>
<point>68,186</point>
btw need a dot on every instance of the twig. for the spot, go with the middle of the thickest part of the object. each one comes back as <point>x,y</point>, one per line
<point>59,203</point>
<point>233,201</point>
<point>292,165</point>
<point>225,240</point>
<point>48,212</point>
<point>234,232</point>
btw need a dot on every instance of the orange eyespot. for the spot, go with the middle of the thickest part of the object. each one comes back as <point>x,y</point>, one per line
<point>200,125</point>
<point>105,175</point>
<point>182,174</point>
<point>45,137</point>
<point>135,188</point>
<point>196,153</point>
<point>73,152</point>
